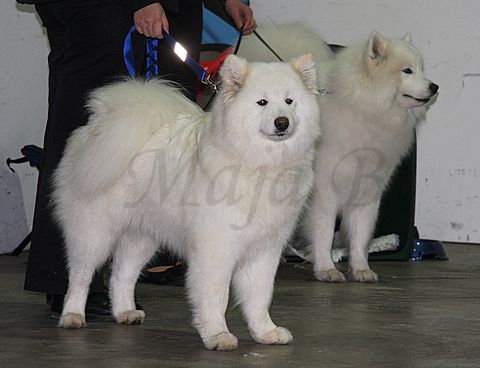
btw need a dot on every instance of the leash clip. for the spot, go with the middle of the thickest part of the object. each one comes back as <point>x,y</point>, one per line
<point>323,92</point>
<point>207,80</point>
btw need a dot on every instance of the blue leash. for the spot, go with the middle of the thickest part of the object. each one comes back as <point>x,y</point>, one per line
<point>152,58</point>
<point>187,59</point>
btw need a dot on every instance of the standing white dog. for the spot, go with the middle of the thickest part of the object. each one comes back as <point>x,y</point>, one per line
<point>372,96</point>
<point>222,189</point>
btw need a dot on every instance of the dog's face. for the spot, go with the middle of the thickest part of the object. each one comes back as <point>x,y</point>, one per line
<point>401,63</point>
<point>270,109</point>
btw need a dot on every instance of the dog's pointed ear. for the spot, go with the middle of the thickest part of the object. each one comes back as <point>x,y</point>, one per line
<point>377,46</point>
<point>233,73</point>
<point>305,67</point>
<point>407,37</point>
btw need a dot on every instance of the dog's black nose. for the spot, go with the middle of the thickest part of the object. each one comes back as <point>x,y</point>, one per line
<point>281,123</point>
<point>433,88</point>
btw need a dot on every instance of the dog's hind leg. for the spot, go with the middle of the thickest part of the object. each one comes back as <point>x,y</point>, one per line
<point>132,252</point>
<point>359,224</point>
<point>253,284</point>
<point>321,219</point>
<point>88,245</point>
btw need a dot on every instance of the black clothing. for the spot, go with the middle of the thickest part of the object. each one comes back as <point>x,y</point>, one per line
<point>86,40</point>
<point>171,5</point>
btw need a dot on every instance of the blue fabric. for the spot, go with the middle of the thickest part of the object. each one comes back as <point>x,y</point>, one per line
<point>152,58</point>
<point>191,62</point>
<point>128,55</point>
<point>216,30</point>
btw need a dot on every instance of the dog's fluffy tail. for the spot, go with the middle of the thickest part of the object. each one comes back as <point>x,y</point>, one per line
<point>124,116</point>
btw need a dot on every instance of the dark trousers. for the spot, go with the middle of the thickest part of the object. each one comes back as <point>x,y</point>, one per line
<point>86,41</point>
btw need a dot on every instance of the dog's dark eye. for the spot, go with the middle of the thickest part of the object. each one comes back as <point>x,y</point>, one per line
<point>407,71</point>
<point>288,101</point>
<point>262,102</point>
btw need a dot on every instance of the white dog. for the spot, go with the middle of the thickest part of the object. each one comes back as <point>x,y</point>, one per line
<point>222,189</point>
<point>372,96</point>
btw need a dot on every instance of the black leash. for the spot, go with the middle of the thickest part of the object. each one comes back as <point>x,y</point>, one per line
<point>322,92</point>
<point>235,52</point>
<point>237,47</point>
<point>267,45</point>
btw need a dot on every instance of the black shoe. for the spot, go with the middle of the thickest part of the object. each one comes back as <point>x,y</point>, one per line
<point>174,275</point>
<point>98,304</point>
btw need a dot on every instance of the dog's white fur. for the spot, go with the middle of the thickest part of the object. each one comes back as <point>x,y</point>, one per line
<point>222,189</point>
<point>370,104</point>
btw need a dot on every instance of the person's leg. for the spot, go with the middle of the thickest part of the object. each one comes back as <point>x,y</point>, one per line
<point>86,39</point>
<point>46,271</point>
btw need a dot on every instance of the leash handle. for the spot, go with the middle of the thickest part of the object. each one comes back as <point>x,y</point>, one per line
<point>152,58</point>
<point>128,55</point>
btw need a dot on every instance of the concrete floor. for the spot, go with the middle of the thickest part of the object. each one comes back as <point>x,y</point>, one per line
<point>424,314</point>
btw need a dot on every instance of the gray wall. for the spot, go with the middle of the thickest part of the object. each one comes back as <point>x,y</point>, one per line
<point>447,32</point>
<point>23,108</point>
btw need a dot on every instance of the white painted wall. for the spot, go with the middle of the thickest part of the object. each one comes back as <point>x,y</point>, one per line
<point>447,32</point>
<point>23,108</point>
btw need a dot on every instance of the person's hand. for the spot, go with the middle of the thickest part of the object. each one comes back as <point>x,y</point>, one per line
<point>242,15</point>
<point>151,20</point>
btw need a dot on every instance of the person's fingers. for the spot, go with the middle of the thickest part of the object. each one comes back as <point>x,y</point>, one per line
<point>238,19</point>
<point>251,27</point>
<point>242,16</point>
<point>139,28</point>
<point>147,28</point>
<point>247,14</point>
<point>138,21</point>
<point>165,24</point>
<point>249,21</point>
<point>160,24</point>
<point>138,24</point>
<point>157,30</point>
<point>142,27</point>
<point>150,28</point>
<point>151,20</point>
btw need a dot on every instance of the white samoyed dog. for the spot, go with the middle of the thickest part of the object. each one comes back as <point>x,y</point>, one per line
<point>371,96</point>
<point>221,189</point>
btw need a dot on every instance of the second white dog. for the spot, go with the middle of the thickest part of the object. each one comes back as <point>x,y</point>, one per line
<point>372,95</point>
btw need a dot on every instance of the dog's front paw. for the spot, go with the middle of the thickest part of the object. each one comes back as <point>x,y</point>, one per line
<point>132,317</point>
<point>364,276</point>
<point>72,320</point>
<point>223,341</point>
<point>332,275</point>
<point>277,336</point>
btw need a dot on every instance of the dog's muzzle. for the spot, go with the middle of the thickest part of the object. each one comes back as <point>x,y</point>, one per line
<point>433,88</point>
